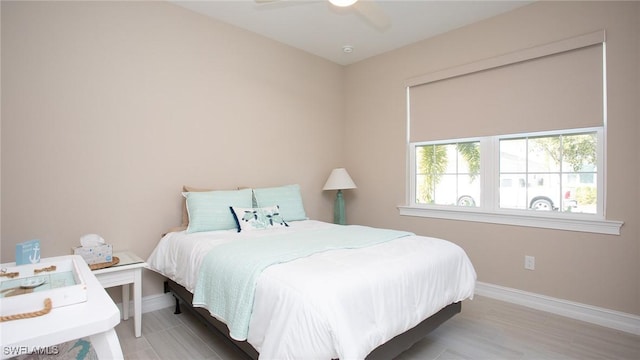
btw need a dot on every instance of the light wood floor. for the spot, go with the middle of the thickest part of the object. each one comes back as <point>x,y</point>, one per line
<point>486,329</point>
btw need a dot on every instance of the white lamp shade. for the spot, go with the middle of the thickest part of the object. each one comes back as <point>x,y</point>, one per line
<point>339,180</point>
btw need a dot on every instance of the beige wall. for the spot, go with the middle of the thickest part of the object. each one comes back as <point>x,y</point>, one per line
<point>108,108</point>
<point>599,270</point>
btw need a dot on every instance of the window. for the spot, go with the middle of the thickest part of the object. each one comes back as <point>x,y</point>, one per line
<point>553,172</point>
<point>545,179</point>
<point>448,173</point>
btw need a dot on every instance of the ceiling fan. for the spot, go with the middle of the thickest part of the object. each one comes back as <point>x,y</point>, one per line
<point>371,12</point>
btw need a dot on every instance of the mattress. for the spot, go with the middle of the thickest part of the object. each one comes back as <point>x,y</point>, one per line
<point>341,303</point>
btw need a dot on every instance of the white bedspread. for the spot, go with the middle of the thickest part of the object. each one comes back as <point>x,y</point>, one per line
<point>336,304</point>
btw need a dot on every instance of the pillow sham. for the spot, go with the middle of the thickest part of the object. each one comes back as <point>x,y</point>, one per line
<point>209,211</point>
<point>249,219</point>
<point>287,197</point>
<point>185,214</point>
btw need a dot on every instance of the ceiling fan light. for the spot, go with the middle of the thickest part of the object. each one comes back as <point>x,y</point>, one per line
<point>343,3</point>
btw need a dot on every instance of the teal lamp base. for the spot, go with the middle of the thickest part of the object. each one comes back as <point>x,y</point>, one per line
<point>338,210</point>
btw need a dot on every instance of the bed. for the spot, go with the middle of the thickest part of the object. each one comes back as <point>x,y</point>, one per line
<point>366,299</point>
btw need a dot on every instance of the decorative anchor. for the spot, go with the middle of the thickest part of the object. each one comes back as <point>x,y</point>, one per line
<point>35,258</point>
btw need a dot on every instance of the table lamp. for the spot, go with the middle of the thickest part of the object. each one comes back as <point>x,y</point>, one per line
<point>339,180</point>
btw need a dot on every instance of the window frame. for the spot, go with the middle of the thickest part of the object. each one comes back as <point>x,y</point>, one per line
<point>489,210</point>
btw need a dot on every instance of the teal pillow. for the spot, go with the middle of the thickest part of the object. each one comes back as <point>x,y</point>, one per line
<point>209,211</point>
<point>287,197</point>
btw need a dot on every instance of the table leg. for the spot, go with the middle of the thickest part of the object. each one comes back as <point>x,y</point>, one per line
<point>137,301</point>
<point>125,301</point>
<point>106,345</point>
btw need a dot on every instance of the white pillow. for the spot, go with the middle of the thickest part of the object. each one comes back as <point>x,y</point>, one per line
<point>250,219</point>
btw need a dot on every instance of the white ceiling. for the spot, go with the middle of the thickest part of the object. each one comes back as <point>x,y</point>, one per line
<point>371,27</point>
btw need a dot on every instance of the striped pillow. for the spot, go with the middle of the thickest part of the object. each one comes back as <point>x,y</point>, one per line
<point>287,197</point>
<point>209,211</point>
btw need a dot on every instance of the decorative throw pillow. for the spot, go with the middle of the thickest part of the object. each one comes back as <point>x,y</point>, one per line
<point>249,219</point>
<point>287,197</point>
<point>209,211</point>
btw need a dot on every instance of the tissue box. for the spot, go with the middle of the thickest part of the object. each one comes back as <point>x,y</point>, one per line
<point>95,254</point>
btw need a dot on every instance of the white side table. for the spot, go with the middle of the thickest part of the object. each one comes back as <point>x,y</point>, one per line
<point>127,271</point>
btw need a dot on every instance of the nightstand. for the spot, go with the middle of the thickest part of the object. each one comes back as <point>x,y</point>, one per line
<point>127,271</point>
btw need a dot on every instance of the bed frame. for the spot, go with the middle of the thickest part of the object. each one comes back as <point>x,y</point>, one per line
<point>388,350</point>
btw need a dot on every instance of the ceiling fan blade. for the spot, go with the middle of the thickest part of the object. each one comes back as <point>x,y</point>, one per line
<point>373,14</point>
<point>369,10</point>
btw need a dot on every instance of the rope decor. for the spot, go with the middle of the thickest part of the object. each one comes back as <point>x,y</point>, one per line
<point>114,261</point>
<point>10,275</point>
<point>45,269</point>
<point>46,310</point>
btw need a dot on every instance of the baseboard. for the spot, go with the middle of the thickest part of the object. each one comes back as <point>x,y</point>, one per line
<point>152,303</point>
<point>157,302</point>
<point>591,314</point>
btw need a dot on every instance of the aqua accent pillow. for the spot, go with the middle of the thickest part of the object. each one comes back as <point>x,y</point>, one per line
<point>209,211</point>
<point>249,219</point>
<point>287,197</point>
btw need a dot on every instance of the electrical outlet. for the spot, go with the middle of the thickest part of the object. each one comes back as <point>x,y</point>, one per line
<point>529,262</point>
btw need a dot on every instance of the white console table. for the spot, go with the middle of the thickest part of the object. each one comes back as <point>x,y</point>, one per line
<point>127,271</point>
<point>94,318</point>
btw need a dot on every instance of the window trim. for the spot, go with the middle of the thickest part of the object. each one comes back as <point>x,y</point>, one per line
<point>599,226</point>
<point>593,38</point>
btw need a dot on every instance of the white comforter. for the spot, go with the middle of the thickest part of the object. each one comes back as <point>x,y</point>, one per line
<point>336,304</point>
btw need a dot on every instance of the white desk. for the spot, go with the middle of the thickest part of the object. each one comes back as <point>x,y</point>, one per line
<point>95,318</point>
<point>127,271</point>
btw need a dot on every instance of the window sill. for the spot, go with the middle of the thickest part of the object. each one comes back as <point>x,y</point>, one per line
<point>590,225</point>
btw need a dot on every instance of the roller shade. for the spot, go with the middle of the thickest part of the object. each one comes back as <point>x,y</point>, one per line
<point>561,90</point>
